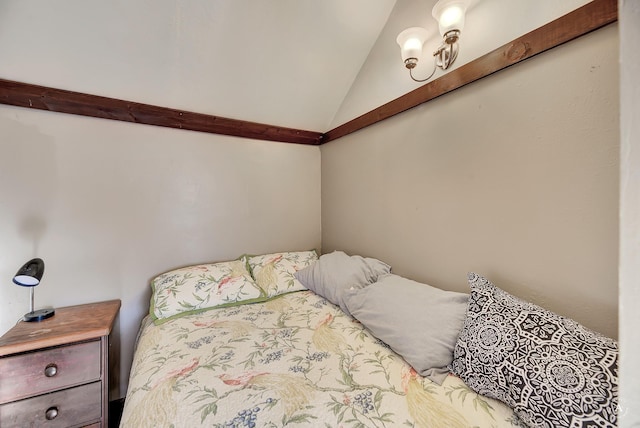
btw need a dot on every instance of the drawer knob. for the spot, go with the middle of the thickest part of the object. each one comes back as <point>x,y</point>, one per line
<point>51,370</point>
<point>51,413</point>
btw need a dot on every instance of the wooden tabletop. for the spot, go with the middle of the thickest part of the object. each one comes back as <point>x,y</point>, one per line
<point>69,324</point>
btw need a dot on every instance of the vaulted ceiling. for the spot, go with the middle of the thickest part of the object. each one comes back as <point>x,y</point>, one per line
<point>303,64</point>
<point>283,62</point>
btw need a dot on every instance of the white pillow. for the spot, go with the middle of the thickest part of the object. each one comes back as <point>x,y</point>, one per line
<point>274,273</point>
<point>194,289</point>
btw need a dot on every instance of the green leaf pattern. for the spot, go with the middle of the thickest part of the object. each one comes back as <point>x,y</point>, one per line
<point>300,362</point>
<point>197,288</point>
<point>274,272</point>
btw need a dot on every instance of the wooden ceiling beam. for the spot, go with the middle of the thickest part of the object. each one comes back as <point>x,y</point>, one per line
<point>63,101</point>
<point>581,21</point>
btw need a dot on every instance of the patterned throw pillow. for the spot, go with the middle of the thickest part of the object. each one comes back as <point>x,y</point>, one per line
<point>274,272</point>
<point>194,289</point>
<point>551,370</point>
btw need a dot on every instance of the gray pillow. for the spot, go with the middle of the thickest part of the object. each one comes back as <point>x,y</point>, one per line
<point>418,321</point>
<point>336,272</point>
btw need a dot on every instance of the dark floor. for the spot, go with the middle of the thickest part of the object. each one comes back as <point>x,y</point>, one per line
<point>115,412</point>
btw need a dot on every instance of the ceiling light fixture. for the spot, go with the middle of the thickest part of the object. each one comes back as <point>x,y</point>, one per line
<point>450,17</point>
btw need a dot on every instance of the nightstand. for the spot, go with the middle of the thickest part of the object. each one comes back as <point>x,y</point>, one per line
<point>55,373</point>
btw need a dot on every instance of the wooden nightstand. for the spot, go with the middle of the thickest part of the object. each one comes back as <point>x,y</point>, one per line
<point>55,373</point>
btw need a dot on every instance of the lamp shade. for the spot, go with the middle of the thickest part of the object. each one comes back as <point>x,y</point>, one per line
<point>411,41</point>
<point>30,274</point>
<point>450,15</point>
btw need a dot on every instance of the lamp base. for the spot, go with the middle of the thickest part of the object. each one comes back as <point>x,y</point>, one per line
<point>39,315</point>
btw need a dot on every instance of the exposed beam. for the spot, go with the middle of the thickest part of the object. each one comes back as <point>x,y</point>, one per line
<point>63,101</point>
<point>583,20</point>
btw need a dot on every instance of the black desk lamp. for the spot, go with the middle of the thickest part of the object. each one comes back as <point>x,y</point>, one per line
<point>30,275</point>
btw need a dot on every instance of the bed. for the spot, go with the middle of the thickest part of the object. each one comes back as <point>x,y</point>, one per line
<point>288,339</point>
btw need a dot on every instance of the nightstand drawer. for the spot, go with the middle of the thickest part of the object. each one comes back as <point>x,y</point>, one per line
<point>34,373</point>
<point>73,407</point>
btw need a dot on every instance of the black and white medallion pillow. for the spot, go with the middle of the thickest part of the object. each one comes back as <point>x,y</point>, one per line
<point>551,370</point>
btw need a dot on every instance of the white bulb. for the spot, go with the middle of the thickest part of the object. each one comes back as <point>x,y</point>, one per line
<point>451,16</point>
<point>413,45</point>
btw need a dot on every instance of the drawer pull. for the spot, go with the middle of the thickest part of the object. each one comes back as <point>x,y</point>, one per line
<point>51,413</point>
<point>51,370</point>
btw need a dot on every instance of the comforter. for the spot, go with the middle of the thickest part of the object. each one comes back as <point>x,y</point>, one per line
<point>296,360</point>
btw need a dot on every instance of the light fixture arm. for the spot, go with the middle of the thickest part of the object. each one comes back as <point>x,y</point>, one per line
<point>412,64</point>
<point>448,50</point>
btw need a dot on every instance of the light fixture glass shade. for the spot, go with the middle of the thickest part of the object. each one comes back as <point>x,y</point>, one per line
<point>450,15</point>
<point>411,41</point>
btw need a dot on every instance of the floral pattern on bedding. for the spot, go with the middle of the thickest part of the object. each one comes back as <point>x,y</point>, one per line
<point>198,288</point>
<point>295,360</point>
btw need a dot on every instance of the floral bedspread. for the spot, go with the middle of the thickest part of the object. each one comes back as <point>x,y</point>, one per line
<point>295,360</point>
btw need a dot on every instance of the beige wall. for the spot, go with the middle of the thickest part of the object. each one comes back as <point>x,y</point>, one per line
<point>514,177</point>
<point>108,205</point>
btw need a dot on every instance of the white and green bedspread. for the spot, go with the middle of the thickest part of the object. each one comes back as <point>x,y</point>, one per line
<point>296,360</point>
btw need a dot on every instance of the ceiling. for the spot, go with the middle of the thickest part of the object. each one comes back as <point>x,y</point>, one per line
<point>304,64</point>
<point>282,62</point>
